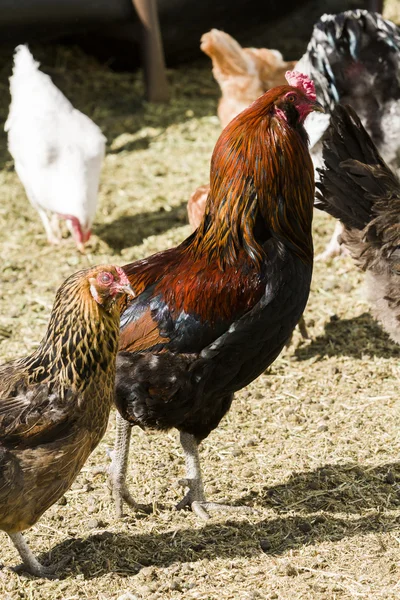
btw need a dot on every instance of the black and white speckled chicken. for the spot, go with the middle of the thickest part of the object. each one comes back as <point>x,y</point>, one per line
<point>358,188</point>
<point>354,58</point>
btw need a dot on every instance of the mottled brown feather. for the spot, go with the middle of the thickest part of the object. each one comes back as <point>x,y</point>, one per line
<point>55,403</point>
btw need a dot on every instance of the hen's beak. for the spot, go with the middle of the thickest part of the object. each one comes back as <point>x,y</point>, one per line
<point>126,289</point>
<point>317,106</point>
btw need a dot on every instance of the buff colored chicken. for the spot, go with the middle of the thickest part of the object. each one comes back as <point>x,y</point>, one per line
<point>243,74</point>
<point>55,403</point>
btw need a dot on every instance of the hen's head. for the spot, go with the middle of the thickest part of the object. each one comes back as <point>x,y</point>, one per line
<point>107,284</point>
<point>294,102</point>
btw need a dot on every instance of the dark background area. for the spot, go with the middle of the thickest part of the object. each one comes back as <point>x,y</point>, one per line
<point>110,30</point>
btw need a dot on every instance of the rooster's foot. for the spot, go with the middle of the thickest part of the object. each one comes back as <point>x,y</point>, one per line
<point>195,500</point>
<point>121,494</point>
<point>117,485</point>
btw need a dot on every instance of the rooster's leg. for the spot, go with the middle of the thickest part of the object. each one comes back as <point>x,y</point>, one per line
<point>195,496</point>
<point>30,563</point>
<point>119,466</point>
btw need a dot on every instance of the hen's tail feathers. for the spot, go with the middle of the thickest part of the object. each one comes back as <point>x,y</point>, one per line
<point>359,189</point>
<point>343,54</point>
<point>23,61</point>
<point>230,59</point>
<point>227,55</point>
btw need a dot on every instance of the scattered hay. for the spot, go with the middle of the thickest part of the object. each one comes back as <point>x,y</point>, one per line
<point>312,445</point>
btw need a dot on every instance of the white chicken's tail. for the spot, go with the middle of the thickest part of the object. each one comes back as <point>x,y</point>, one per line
<point>23,61</point>
<point>24,67</point>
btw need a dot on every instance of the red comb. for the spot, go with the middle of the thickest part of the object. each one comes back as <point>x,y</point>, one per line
<point>301,81</point>
<point>123,277</point>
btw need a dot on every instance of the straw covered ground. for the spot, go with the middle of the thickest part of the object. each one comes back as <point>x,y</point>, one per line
<point>312,445</point>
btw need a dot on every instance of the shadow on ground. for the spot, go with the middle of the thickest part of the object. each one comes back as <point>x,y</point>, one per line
<point>356,337</point>
<point>351,497</point>
<point>131,230</point>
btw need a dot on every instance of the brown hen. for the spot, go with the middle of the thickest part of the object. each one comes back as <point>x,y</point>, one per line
<point>55,403</point>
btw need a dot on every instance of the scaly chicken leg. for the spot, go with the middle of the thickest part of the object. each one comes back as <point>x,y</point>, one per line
<point>119,466</point>
<point>30,563</point>
<point>194,498</point>
<point>53,236</point>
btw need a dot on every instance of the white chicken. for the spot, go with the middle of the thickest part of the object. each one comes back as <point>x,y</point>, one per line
<point>57,151</point>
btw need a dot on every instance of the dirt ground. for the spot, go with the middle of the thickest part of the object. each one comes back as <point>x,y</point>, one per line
<point>312,446</point>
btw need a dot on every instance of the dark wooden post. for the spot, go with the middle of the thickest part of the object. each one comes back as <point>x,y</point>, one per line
<point>375,6</point>
<point>152,51</point>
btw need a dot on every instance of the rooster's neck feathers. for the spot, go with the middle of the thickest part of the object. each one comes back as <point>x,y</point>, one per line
<point>261,167</point>
<point>81,339</point>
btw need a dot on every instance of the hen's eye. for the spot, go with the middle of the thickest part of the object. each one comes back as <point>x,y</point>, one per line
<point>106,278</point>
<point>291,98</point>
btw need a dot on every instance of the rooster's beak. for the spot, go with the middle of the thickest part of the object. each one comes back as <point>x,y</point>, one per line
<point>318,107</point>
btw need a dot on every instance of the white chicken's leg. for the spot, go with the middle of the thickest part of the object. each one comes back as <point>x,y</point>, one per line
<point>51,235</point>
<point>30,563</point>
<point>119,466</point>
<point>55,227</point>
<point>334,248</point>
<point>195,498</point>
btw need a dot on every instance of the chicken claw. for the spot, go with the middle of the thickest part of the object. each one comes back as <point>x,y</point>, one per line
<point>195,498</point>
<point>201,506</point>
<point>119,491</point>
<point>30,562</point>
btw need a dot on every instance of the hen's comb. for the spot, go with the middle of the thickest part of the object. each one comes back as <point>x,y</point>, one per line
<point>122,275</point>
<point>301,81</point>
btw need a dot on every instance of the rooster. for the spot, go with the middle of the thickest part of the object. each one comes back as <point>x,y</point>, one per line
<point>358,188</point>
<point>213,313</point>
<point>55,403</point>
<point>57,150</point>
<point>354,58</point>
<point>243,74</point>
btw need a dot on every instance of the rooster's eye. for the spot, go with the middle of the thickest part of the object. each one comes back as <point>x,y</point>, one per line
<point>291,98</point>
<point>105,278</point>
